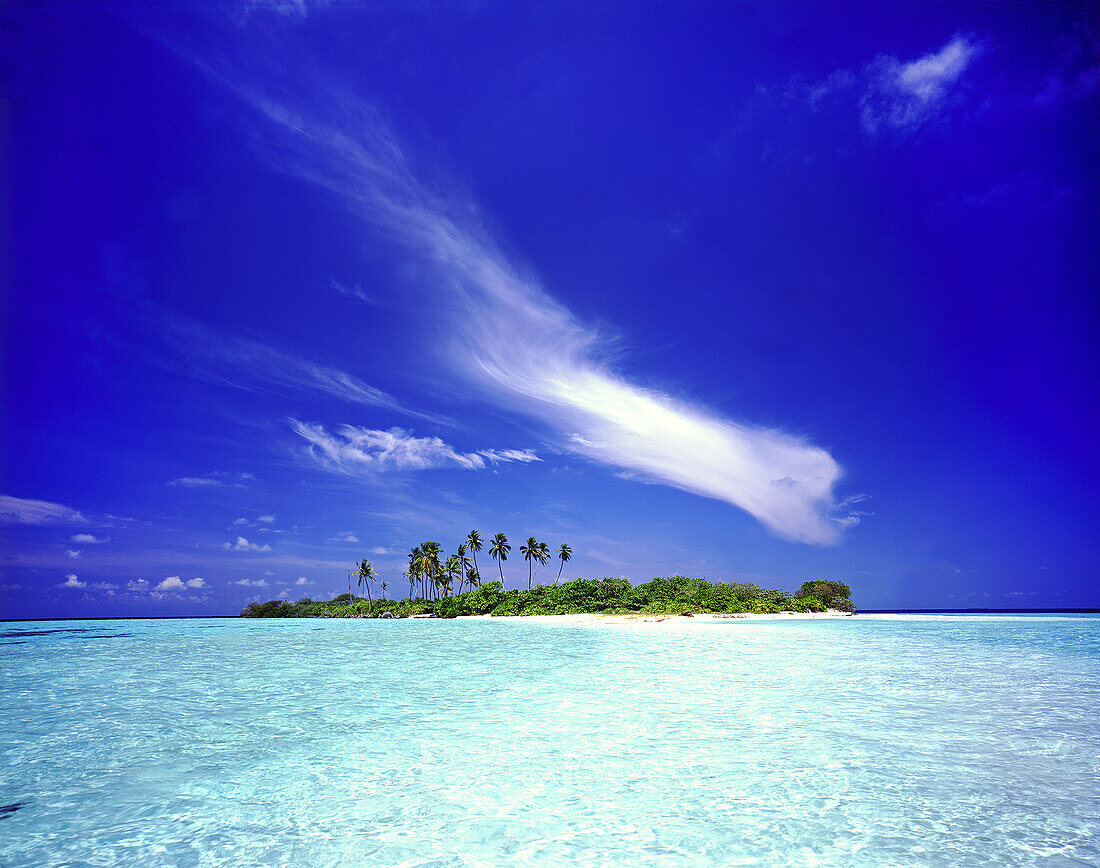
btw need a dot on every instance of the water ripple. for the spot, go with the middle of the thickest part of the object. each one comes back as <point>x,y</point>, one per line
<point>885,741</point>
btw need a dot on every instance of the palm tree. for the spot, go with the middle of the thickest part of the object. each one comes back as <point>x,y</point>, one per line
<point>450,568</point>
<point>473,546</point>
<point>531,551</point>
<point>499,549</point>
<point>413,575</point>
<point>564,554</point>
<point>430,565</point>
<point>366,575</point>
<point>463,566</point>
<point>422,561</point>
<point>542,555</point>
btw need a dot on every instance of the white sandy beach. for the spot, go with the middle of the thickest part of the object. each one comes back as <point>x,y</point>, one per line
<point>592,619</point>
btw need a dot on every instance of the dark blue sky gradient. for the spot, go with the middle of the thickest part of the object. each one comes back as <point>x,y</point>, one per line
<point>696,182</point>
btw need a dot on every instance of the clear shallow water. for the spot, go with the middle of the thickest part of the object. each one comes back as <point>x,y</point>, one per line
<point>865,741</point>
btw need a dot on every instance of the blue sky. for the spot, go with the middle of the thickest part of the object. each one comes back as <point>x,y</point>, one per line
<point>758,293</point>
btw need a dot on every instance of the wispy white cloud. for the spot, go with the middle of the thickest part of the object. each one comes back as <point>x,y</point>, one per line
<point>194,482</point>
<point>847,515</point>
<point>288,8</point>
<point>903,96</point>
<point>249,365</point>
<point>302,580</point>
<point>497,456</point>
<point>243,545</point>
<point>344,538</point>
<point>72,553</point>
<point>88,538</point>
<point>241,520</point>
<point>892,95</point>
<point>266,519</point>
<point>353,291</point>
<point>523,348</point>
<point>251,583</point>
<point>352,449</point>
<point>381,550</point>
<point>18,510</point>
<point>71,581</point>
<point>1077,73</point>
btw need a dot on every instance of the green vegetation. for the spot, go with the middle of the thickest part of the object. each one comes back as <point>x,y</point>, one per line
<point>834,595</point>
<point>672,596</point>
<point>438,587</point>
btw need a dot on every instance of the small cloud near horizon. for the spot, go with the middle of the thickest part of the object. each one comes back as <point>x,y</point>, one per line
<point>193,482</point>
<point>88,538</point>
<point>71,581</point>
<point>243,545</point>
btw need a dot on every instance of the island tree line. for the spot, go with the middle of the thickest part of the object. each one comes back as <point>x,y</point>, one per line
<point>450,586</point>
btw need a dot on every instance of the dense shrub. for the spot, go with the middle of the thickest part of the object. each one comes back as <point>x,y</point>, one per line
<point>806,603</point>
<point>270,609</point>
<point>835,595</point>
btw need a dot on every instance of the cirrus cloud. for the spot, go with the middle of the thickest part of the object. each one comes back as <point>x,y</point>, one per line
<point>541,360</point>
<point>18,510</point>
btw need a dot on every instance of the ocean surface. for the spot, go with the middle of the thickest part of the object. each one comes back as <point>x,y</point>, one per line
<point>874,740</point>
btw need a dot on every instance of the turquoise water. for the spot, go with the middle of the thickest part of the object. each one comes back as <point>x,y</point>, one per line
<point>874,740</point>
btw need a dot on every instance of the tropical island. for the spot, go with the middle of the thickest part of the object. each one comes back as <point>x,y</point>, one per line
<point>452,587</point>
